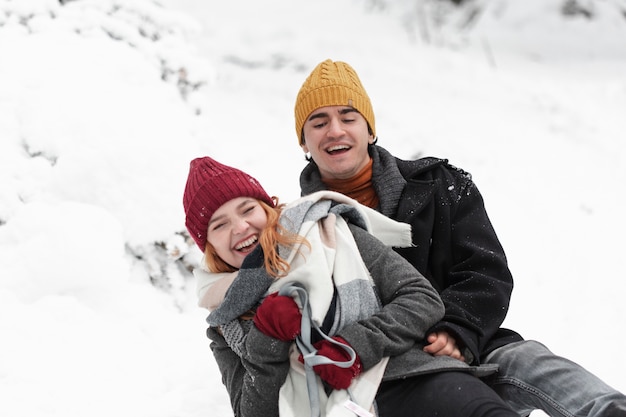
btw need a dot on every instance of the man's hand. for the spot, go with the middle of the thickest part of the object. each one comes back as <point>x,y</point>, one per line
<point>443,344</point>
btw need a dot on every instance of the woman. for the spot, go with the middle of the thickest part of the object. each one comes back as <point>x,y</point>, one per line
<point>271,269</point>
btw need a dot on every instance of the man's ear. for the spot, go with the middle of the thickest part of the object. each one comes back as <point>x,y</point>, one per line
<point>305,148</point>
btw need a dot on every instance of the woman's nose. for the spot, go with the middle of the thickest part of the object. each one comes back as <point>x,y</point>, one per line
<point>240,226</point>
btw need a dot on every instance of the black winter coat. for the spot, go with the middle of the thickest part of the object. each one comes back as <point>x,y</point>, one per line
<point>456,247</point>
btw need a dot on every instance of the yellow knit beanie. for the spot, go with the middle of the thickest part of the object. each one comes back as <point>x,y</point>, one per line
<point>332,84</point>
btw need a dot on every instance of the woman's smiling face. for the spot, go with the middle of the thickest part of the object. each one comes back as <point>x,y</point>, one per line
<point>234,229</point>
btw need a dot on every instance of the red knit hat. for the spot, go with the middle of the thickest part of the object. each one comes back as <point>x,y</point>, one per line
<point>209,185</point>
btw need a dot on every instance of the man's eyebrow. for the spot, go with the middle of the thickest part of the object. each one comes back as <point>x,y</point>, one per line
<point>325,114</point>
<point>318,115</point>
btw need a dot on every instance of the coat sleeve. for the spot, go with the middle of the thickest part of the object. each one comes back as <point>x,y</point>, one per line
<point>410,304</point>
<point>478,283</point>
<point>253,380</point>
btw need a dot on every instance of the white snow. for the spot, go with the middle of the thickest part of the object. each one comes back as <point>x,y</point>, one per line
<point>103,103</point>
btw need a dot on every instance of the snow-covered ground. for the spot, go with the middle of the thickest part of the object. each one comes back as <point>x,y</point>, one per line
<point>103,103</point>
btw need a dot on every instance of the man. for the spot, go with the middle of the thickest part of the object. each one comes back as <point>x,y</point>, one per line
<point>455,246</point>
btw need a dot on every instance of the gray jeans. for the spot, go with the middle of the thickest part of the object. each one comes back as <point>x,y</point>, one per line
<point>533,378</point>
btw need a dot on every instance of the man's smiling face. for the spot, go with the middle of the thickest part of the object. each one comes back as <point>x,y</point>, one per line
<point>337,139</point>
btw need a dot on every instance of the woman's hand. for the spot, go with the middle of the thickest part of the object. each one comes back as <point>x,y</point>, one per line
<point>279,317</point>
<point>335,376</point>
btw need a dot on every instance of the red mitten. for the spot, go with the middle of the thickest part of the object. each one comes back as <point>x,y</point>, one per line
<point>333,375</point>
<point>279,317</point>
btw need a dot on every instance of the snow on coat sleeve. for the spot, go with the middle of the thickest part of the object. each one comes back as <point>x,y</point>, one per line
<point>479,283</point>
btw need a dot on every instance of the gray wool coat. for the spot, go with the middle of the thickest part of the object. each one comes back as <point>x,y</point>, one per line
<point>411,306</point>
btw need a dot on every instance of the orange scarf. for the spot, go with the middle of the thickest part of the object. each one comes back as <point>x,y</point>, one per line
<point>358,187</point>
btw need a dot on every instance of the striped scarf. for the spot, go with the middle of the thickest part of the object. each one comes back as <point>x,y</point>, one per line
<point>331,265</point>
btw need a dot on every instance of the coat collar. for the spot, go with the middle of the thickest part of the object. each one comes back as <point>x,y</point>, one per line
<point>395,181</point>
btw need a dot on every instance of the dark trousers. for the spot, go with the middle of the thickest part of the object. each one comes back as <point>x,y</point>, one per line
<point>444,394</point>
